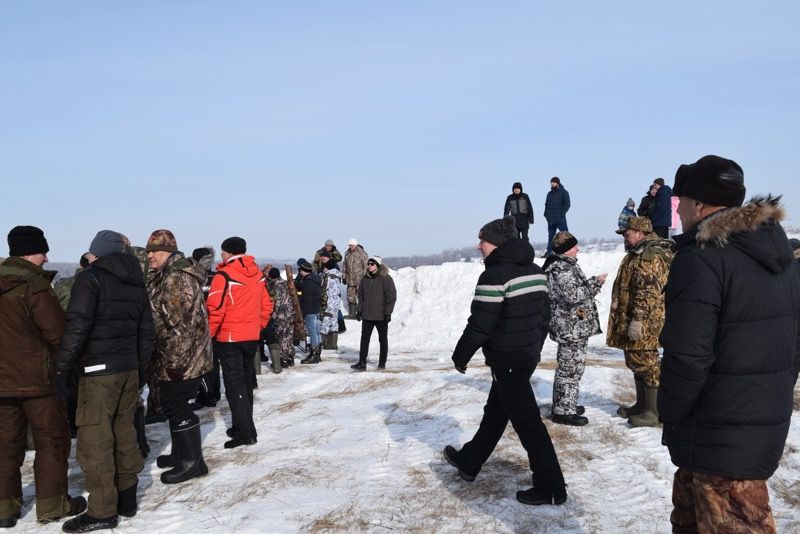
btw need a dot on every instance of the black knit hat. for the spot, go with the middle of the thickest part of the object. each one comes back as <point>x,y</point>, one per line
<point>711,179</point>
<point>26,241</point>
<point>274,273</point>
<point>199,253</point>
<point>304,265</point>
<point>563,241</point>
<point>234,245</point>
<point>499,231</point>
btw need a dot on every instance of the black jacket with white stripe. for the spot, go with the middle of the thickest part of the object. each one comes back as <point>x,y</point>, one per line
<point>510,311</point>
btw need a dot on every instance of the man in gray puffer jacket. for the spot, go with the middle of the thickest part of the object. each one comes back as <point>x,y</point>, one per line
<point>376,298</point>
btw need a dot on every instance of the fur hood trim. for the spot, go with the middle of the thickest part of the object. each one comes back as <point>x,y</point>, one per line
<point>717,229</point>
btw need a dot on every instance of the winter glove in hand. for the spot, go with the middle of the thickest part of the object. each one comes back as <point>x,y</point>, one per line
<point>175,375</point>
<point>635,332</point>
<point>387,317</point>
<point>65,389</point>
<point>358,316</point>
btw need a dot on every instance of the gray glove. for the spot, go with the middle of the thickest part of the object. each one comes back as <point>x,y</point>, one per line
<point>635,330</point>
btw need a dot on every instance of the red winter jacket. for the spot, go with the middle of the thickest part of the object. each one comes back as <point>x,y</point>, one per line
<point>238,304</point>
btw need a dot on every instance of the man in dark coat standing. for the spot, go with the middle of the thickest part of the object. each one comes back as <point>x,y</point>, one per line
<point>518,204</point>
<point>730,350</point>
<point>376,298</point>
<point>556,206</point>
<point>662,211</point>
<point>109,338</point>
<point>509,319</point>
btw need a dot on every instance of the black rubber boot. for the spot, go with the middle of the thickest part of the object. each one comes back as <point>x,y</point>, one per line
<point>191,463</point>
<point>171,459</point>
<point>126,501</point>
<point>638,406</point>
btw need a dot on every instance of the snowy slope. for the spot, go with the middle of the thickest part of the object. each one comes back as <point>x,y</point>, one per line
<point>345,452</point>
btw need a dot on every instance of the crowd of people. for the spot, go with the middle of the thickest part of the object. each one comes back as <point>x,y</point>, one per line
<point>133,317</point>
<point>722,299</point>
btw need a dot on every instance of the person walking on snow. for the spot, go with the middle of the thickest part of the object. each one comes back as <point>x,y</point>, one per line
<point>509,319</point>
<point>574,319</point>
<point>519,206</point>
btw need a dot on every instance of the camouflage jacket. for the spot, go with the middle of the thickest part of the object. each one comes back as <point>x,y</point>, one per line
<point>282,309</point>
<point>183,344</point>
<point>638,293</point>
<point>355,266</point>
<point>331,297</point>
<point>317,263</point>
<point>63,288</point>
<point>573,310</point>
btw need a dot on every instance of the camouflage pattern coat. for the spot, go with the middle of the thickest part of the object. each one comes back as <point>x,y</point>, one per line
<point>183,344</point>
<point>282,314</point>
<point>331,300</point>
<point>638,293</point>
<point>63,288</point>
<point>573,311</point>
<point>317,263</point>
<point>355,266</point>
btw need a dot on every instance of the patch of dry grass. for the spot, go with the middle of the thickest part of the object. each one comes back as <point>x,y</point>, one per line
<point>787,490</point>
<point>290,406</point>
<point>356,388</point>
<point>347,518</point>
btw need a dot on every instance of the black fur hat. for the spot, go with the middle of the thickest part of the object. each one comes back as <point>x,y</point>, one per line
<point>711,179</point>
<point>499,231</point>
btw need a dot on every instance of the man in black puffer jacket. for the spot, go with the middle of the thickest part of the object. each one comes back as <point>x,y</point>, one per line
<point>730,350</point>
<point>509,318</point>
<point>109,337</point>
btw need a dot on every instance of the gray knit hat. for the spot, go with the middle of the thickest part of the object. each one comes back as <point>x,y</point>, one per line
<point>107,242</point>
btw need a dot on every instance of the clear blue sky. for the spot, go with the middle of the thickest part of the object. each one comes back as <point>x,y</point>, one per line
<point>403,124</point>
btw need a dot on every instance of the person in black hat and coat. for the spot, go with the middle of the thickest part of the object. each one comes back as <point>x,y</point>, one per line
<point>731,355</point>
<point>518,205</point>
<point>509,320</point>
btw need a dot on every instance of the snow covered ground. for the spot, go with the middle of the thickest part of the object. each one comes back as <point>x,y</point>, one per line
<point>340,451</point>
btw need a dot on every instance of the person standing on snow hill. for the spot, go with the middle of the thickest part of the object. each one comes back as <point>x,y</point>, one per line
<point>662,212</point>
<point>509,319</point>
<point>282,318</point>
<point>647,205</point>
<point>109,339</point>
<point>182,353</point>
<point>573,321</point>
<point>556,206</point>
<point>309,287</point>
<point>31,325</point>
<point>332,251</point>
<point>519,206</point>
<point>355,267</point>
<point>239,308</point>
<point>731,355</point>
<point>637,314</point>
<point>331,300</point>
<point>376,298</point>
<point>626,213</point>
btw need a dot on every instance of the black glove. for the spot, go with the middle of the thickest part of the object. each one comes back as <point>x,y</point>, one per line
<point>387,317</point>
<point>65,389</point>
<point>358,316</point>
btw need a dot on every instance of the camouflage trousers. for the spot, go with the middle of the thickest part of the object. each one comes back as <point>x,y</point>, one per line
<point>566,385</point>
<point>645,366</point>
<point>711,503</point>
<point>352,298</point>
<point>284,331</point>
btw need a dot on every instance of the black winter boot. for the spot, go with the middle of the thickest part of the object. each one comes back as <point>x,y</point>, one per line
<point>171,459</point>
<point>536,496</point>
<point>191,463</point>
<point>638,406</point>
<point>87,523</point>
<point>451,454</point>
<point>333,340</point>
<point>570,419</point>
<point>126,501</point>
<point>313,355</point>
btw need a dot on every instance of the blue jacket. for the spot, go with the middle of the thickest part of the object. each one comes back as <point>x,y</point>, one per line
<point>662,214</point>
<point>556,206</point>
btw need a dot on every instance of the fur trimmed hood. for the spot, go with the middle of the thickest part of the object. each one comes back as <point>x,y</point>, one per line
<point>753,229</point>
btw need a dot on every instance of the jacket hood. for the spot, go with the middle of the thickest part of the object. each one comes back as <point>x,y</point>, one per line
<point>178,262</point>
<point>553,258</point>
<point>16,271</point>
<point>383,270</point>
<point>753,229</point>
<point>123,266</point>
<point>244,265</point>
<point>516,251</point>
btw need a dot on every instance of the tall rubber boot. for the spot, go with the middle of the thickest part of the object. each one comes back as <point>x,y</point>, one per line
<point>324,344</point>
<point>191,463</point>
<point>333,340</point>
<point>275,358</point>
<point>649,416</point>
<point>638,406</point>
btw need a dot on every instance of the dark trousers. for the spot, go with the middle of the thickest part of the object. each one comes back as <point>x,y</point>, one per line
<point>211,379</point>
<point>175,398</point>
<point>383,339</point>
<point>511,398</point>
<point>48,421</point>
<point>661,231</point>
<point>522,232</point>
<point>552,229</point>
<point>238,374</point>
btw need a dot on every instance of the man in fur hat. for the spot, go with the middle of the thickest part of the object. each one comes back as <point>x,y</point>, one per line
<point>730,350</point>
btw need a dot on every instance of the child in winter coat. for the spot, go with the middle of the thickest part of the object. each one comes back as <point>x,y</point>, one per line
<point>626,213</point>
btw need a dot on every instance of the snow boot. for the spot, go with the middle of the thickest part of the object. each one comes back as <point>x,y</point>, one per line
<point>191,464</point>
<point>451,454</point>
<point>87,523</point>
<point>331,343</point>
<point>313,355</point>
<point>275,357</point>
<point>126,501</point>
<point>359,366</point>
<point>649,416</point>
<point>638,406</point>
<point>536,496</point>
<point>569,419</point>
<point>171,459</point>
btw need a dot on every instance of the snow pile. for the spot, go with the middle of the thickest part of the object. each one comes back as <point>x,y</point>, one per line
<point>340,451</point>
